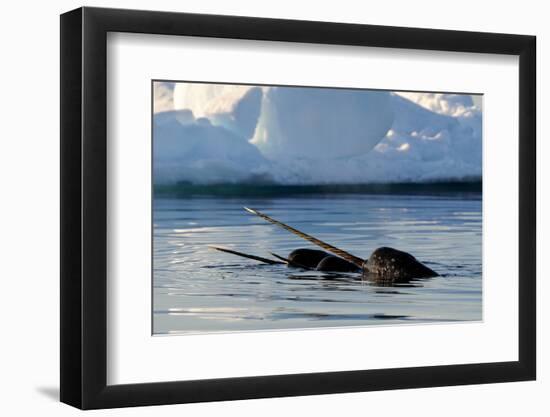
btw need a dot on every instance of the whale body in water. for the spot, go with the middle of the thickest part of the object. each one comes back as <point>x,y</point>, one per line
<point>384,265</point>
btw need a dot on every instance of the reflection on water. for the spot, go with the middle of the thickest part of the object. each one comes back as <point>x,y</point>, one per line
<point>197,289</point>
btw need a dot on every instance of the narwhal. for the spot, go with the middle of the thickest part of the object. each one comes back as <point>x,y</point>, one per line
<point>384,265</point>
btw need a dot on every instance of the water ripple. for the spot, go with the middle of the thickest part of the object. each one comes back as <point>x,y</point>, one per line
<point>196,289</point>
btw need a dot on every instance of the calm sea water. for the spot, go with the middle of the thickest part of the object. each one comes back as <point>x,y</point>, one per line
<point>197,289</point>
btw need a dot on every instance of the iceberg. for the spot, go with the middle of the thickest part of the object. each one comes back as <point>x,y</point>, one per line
<point>194,150</point>
<point>293,135</point>
<point>235,107</point>
<point>321,123</point>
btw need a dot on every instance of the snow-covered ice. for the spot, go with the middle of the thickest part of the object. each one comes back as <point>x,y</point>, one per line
<point>215,133</point>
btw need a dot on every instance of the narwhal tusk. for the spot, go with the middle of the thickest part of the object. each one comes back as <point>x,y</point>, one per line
<point>339,252</point>
<point>244,255</point>
<point>285,260</point>
<point>289,261</point>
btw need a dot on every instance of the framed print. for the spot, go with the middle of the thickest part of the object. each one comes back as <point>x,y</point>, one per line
<point>257,208</point>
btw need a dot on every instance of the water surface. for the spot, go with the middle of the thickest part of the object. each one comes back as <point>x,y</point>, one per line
<point>197,289</point>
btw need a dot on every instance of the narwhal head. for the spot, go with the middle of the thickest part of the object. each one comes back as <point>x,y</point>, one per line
<point>388,264</point>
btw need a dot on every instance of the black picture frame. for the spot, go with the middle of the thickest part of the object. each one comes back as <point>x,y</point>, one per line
<point>84,207</point>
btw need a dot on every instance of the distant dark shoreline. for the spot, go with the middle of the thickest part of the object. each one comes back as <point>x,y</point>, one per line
<point>185,190</point>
